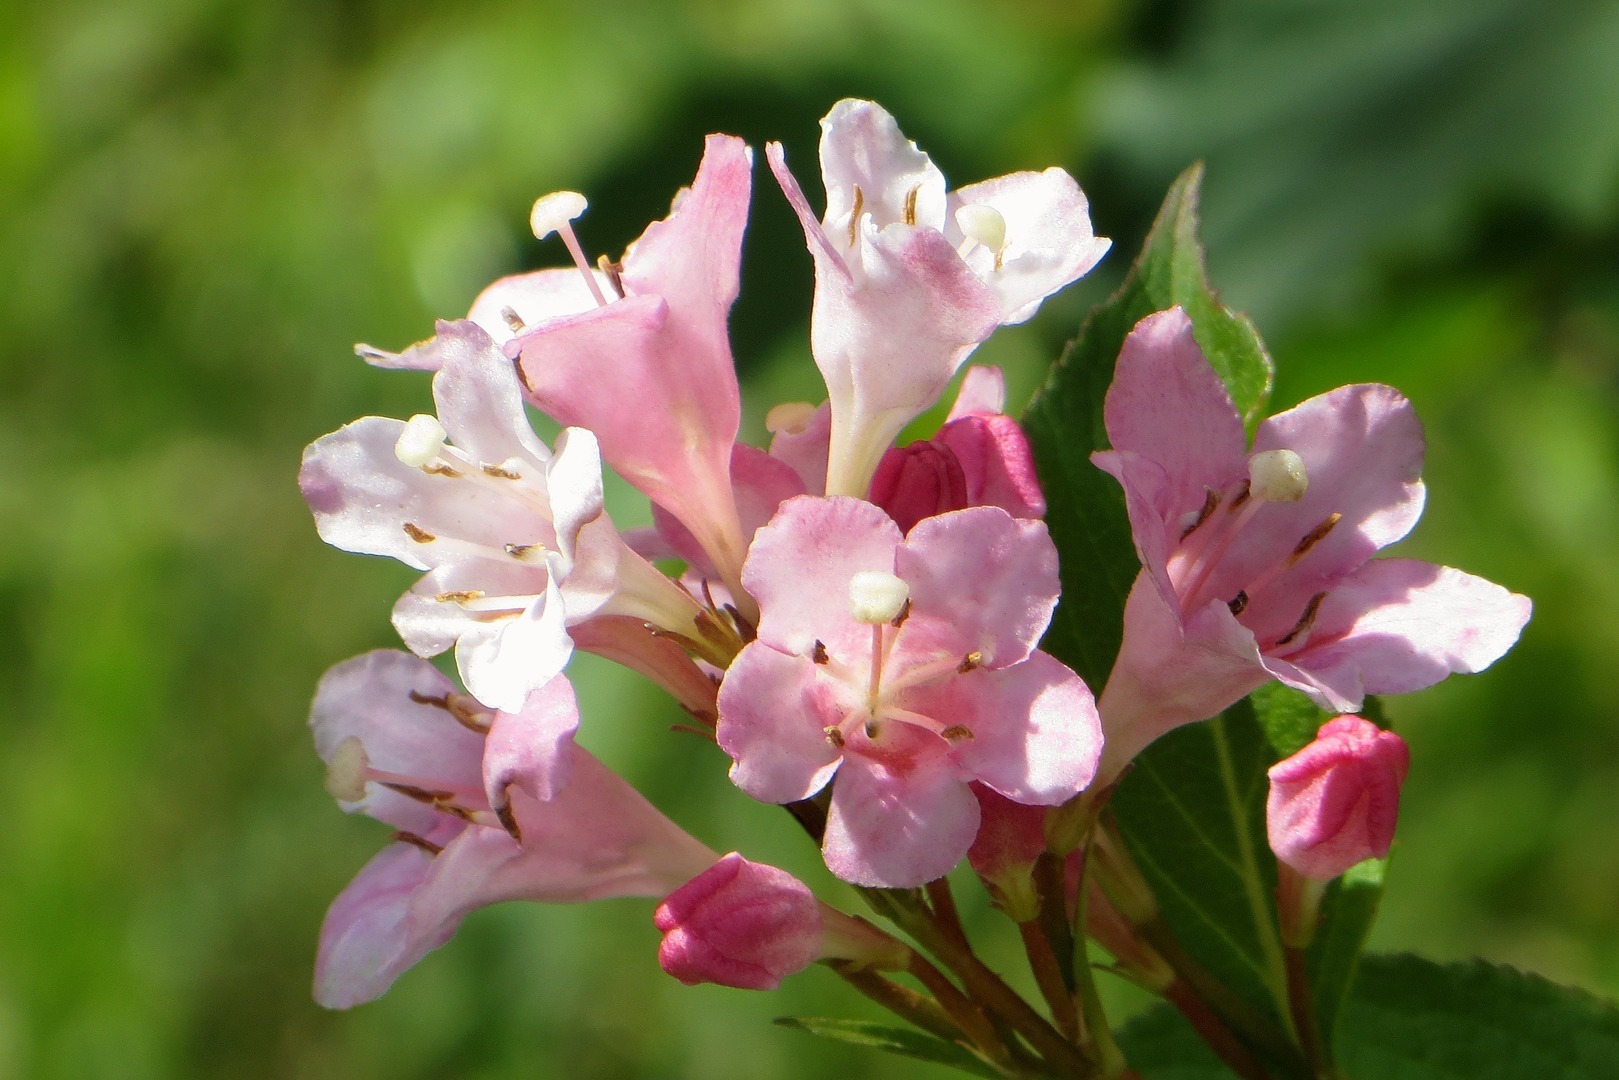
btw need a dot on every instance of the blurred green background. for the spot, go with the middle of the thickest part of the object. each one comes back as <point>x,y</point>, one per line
<point>203,203</point>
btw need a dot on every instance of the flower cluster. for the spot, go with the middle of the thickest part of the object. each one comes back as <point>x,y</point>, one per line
<point>856,624</point>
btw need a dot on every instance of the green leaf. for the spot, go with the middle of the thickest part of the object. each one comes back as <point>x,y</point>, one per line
<point>905,1042</point>
<point>1193,814</point>
<point>1064,424</point>
<point>1413,1019</point>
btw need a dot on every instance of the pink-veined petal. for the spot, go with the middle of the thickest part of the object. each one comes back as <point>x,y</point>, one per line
<point>898,828</point>
<point>774,709</point>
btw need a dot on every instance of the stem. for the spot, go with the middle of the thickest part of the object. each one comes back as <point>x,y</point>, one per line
<point>1302,1003</point>
<point>1214,1033</point>
<point>1048,975</point>
<point>945,914</point>
<point>963,1011</point>
<point>899,1000</point>
<point>1097,1031</point>
<point>1050,887</point>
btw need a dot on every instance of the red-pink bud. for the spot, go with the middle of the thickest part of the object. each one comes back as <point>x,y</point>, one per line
<point>1335,802</point>
<point>1010,834</point>
<point>741,924</point>
<point>918,481</point>
<point>995,459</point>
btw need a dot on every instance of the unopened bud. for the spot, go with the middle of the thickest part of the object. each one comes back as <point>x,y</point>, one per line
<point>551,212</point>
<point>421,441</point>
<point>1335,802</point>
<point>741,924</point>
<point>876,597</point>
<point>1277,476</point>
<point>345,771</point>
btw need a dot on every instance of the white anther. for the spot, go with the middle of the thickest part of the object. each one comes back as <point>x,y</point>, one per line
<point>876,597</point>
<point>552,212</point>
<point>421,441</point>
<point>789,418</point>
<point>345,772</point>
<point>1277,476</point>
<point>983,224</point>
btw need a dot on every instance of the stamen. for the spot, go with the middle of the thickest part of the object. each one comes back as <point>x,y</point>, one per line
<point>904,613</point>
<point>438,468</point>
<point>524,552</point>
<point>463,596</point>
<point>1211,500</point>
<point>1239,603</point>
<point>503,471</point>
<point>421,441</point>
<point>984,225</point>
<point>513,320</point>
<point>877,597</point>
<point>463,707</point>
<point>789,418</point>
<point>854,214</point>
<point>1315,536</point>
<point>971,662</point>
<point>910,204</point>
<point>614,272</point>
<point>419,534</point>
<point>957,732</point>
<point>834,736</point>
<point>346,772</point>
<point>508,820</point>
<point>818,653</point>
<point>1277,476</point>
<point>1306,620</point>
<point>416,841</point>
<point>554,213</point>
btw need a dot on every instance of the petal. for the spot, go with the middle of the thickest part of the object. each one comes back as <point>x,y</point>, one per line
<point>863,147</point>
<point>898,828</point>
<point>429,625</point>
<point>805,449</point>
<point>1036,736</point>
<point>762,483</point>
<point>480,402</point>
<point>503,661</point>
<point>535,299</point>
<point>1049,239</point>
<point>374,698</point>
<point>774,710</point>
<point>1400,625</point>
<point>528,749</point>
<point>996,462</point>
<point>981,581</point>
<point>983,390</point>
<point>1167,404</point>
<point>799,569</point>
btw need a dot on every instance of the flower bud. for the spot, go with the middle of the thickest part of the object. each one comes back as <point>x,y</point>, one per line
<point>1011,836</point>
<point>918,481</point>
<point>741,924</point>
<point>1334,803</point>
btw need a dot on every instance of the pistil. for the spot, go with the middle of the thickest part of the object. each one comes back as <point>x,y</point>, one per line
<point>554,213</point>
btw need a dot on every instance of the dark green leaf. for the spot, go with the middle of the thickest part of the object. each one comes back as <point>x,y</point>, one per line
<point>903,1041</point>
<point>1193,813</point>
<point>1064,422</point>
<point>1413,1019</point>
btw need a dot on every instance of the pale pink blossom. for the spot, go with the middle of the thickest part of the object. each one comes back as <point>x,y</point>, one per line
<point>650,370</point>
<point>1255,565</point>
<point>905,665</point>
<point>488,806</point>
<point>911,277</point>
<point>514,538</point>
<point>1335,802</point>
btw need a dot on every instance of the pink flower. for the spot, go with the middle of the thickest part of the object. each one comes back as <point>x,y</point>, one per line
<point>515,540</point>
<point>1335,802</point>
<point>910,277</point>
<point>1255,566</point>
<point>488,807</point>
<point>650,370</point>
<point>905,665</point>
<point>741,924</point>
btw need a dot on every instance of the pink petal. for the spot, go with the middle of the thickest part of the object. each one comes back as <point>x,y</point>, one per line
<point>805,449</point>
<point>503,661</point>
<point>996,462</point>
<point>528,749</point>
<point>1049,239</point>
<point>1397,625</point>
<point>774,709</point>
<point>898,828</point>
<point>862,146</point>
<point>983,390</point>
<point>762,483</point>
<point>480,402</point>
<point>535,298</point>
<point>799,569</point>
<point>981,581</point>
<point>1036,736</point>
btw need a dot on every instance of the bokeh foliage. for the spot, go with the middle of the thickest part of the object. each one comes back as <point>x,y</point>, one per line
<point>203,203</point>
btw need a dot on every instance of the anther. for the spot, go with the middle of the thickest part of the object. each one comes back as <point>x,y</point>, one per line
<point>614,272</point>
<point>554,213</point>
<point>501,472</point>
<point>1277,476</point>
<point>419,534</point>
<point>513,320</point>
<point>459,596</point>
<point>789,418</point>
<point>524,552</point>
<point>957,732</point>
<point>1239,603</point>
<point>421,441</point>
<point>1315,536</point>
<point>904,613</point>
<point>438,468</point>
<point>854,214</point>
<point>1211,502</point>
<point>833,736</point>
<point>508,820</point>
<point>345,772</point>
<point>818,653</point>
<point>910,204</point>
<point>876,597</point>
<point>416,841</point>
<point>971,662</point>
<point>1306,620</point>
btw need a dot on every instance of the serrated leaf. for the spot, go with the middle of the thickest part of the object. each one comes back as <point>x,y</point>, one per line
<point>1064,423</point>
<point>1193,814</point>
<point>1412,1019</point>
<point>905,1042</point>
